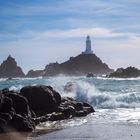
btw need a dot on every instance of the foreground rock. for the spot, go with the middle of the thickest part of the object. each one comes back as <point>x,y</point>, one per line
<point>130,72</point>
<point>15,114</point>
<point>9,68</point>
<point>35,104</point>
<point>42,99</point>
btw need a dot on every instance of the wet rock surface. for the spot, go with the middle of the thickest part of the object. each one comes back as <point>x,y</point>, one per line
<point>35,104</point>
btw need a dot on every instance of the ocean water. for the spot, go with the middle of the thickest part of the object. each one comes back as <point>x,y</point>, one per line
<point>116,100</point>
<point>102,93</point>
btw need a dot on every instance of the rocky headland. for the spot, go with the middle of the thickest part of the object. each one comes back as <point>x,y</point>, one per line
<point>75,66</point>
<point>79,65</point>
<point>82,65</point>
<point>22,111</point>
<point>129,72</point>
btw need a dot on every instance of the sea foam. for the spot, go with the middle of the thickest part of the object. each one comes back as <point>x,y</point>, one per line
<point>83,90</point>
<point>102,93</point>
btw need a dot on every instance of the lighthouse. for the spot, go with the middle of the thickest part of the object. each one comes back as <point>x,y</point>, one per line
<point>88,46</point>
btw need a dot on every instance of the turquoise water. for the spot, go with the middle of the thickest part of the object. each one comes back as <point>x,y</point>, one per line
<point>105,93</point>
<point>116,101</point>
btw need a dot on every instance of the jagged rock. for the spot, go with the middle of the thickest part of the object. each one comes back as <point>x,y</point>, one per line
<point>10,69</point>
<point>6,105</point>
<point>56,116</point>
<point>67,110</point>
<point>48,105</point>
<point>126,73</point>
<point>21,124</point>
<point>35,73</point>
<point>79,65</point>
<point>72,108</point>
<point>14,113</point>
<point>19,103</point>
<point>42,99</point>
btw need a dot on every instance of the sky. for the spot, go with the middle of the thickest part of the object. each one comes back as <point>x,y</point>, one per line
<point>37,32</point>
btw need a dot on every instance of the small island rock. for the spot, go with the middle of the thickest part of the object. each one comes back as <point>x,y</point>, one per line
<point>10,69</point>
<point>129,72</point>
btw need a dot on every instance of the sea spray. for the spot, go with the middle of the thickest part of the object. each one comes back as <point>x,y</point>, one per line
<point>84,90</point>
<point>102,93</point>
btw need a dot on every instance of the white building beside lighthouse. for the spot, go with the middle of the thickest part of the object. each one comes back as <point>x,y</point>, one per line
<point>88,46</point>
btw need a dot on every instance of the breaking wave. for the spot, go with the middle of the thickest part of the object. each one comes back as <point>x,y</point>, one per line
<point>101,97</point>
<point>105,93</point>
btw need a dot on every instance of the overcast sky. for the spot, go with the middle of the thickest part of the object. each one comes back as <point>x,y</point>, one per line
<point>37,32</point>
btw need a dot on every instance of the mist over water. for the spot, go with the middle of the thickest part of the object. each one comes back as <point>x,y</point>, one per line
<point>102,93</point>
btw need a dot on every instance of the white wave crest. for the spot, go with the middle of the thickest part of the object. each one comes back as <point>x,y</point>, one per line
<point>3,79</point>
<point>119,79</point>
<point>82,90</point>
<point>16,88</point>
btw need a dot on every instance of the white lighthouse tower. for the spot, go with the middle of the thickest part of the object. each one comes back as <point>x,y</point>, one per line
<point>88,46</point>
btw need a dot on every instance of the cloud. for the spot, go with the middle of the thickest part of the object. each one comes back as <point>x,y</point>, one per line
<point>118,53</point>
<point>80,32</point>
<point>37,33</point>
<point>49,36</point>
<point>36,49</point>
<point>45,15</point>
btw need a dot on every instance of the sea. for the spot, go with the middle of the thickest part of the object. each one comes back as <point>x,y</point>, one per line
<point>115,100</point>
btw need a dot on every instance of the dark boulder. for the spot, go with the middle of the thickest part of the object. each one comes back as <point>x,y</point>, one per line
<point>78,106</point>
<point>81,113</point>
<point>56,95</point>
<point>42,99</point>
<point>20,104</point>
<point>71,108</point>
<point>88,107</point>
<point>67,110</point>
<point>6,105</point>
<point>35,104</point>
<point>56,116</point>
<point>6,112</point>
<point>3,123</point>
<point>6,116</point>
<point>14,113</point>
<point>19,123</point>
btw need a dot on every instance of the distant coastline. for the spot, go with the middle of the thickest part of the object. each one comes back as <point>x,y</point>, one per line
<point>83,64</point>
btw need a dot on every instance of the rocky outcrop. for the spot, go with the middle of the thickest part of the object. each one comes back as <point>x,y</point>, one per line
<point>90,75</point>
<point>9,68</point>
<point>42,99</point>
<point>79,65</point>
<point>75,66</point>
<point>35,73</point>
<point>35,104</point>
<point>15,114</point>
<point>129,72</point>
